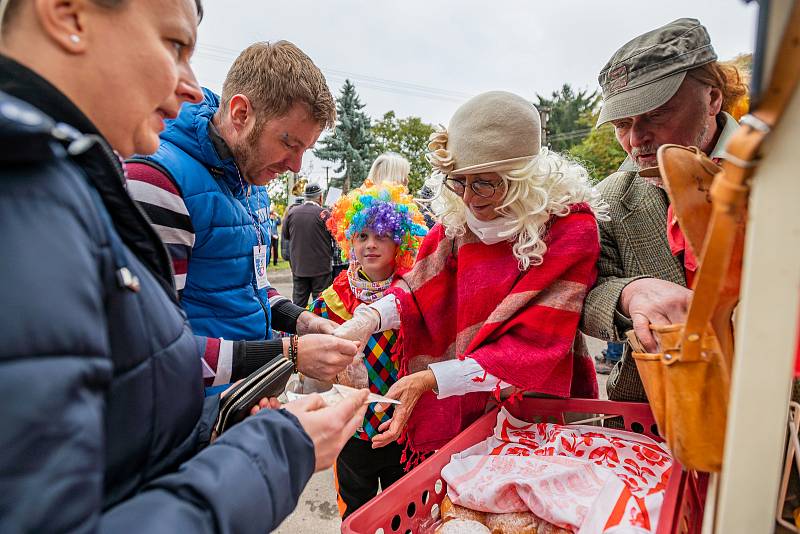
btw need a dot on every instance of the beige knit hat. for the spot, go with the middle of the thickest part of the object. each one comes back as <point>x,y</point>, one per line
<point>494,131</point>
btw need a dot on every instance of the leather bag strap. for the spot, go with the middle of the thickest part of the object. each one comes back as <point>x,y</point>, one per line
<point>730,188</point>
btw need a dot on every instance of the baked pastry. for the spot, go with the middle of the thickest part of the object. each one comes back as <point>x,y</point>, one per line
<point>453,511</point>
<point>550,528</point>
<point>508,523</point>
<point>462,526</point>
<point>513,523</point>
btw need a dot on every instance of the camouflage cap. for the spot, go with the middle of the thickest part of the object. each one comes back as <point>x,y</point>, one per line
<point>648,70</point>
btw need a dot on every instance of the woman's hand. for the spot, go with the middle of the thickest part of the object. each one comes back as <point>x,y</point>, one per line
<point>272,403</point>
<point>407,390</point>
<point>329,427</point>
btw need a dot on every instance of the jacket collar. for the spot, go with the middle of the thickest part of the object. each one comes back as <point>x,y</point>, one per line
<point>25,84</point>
<point>101,166</point>
<point>193,131</point>
<point>729,127</point>
<point>639,191</point>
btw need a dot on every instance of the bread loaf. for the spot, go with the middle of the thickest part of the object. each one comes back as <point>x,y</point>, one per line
<point>513,523</point>
<point>462,526</point>
<point>454,511</point>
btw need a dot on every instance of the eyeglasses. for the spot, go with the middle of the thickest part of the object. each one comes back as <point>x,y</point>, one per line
<point>479,187</point>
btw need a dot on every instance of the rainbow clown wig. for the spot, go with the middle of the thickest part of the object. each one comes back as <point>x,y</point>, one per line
<point>386,209</point>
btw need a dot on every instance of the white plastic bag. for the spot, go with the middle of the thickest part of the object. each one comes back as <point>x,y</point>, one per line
<point>304,385</point>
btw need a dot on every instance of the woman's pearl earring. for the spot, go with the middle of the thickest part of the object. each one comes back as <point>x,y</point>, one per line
<point>74,38</point>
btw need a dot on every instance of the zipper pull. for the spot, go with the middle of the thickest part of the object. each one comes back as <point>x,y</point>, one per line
<point>128,280</point>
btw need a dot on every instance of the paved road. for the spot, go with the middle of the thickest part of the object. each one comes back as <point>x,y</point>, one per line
<point>317,512</point>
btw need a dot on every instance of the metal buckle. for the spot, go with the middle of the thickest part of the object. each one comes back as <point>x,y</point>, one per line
<point>755,123</point>
<point>742,164</point>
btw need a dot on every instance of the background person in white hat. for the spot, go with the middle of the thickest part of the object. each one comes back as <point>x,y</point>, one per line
<point>494,298</point>
<point>664,86</point>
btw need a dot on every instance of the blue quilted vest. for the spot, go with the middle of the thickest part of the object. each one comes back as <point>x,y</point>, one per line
<point>220,296</point>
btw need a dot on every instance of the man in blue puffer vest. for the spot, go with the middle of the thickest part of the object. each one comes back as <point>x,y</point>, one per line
<point>204,191</point>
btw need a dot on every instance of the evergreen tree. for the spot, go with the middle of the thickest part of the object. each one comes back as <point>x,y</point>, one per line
<point>565,109</point>
<point>350,144</point>
<point>599,151</point>
<point>409,138</point>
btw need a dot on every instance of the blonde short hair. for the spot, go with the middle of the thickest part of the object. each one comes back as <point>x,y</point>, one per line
<point>275,76</point>
<point>389,167</point>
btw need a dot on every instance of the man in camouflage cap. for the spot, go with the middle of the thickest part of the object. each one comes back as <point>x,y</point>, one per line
<point>664,86</point>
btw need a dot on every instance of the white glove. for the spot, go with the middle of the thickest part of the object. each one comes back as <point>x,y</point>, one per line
<point>361,326</point>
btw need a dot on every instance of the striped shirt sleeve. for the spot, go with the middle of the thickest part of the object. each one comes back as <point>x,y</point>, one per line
<point>225,361</point>
<point>217,360</point>
<point>161,200</point>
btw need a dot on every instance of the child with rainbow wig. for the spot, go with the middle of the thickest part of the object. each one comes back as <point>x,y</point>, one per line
<point>379,228</point>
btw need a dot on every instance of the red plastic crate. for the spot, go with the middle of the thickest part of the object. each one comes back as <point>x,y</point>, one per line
<point>409,501</point>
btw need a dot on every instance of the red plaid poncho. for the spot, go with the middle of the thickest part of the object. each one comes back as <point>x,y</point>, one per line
<point>471,299</point>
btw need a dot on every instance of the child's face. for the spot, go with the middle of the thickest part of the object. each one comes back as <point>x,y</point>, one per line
<point>375,254</point>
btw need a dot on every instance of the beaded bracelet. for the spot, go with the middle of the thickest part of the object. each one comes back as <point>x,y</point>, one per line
<point>293,342</point>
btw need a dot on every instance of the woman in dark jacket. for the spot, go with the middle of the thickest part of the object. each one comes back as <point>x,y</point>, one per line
<point>104,422</point>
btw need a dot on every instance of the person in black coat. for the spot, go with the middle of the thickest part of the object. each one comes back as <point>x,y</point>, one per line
<point>105,426</point>
<point>310,246</point>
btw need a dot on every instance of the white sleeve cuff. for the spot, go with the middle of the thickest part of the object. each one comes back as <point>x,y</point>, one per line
<point>390,316</point>
<point>224,363</point>
<point>455,377</point>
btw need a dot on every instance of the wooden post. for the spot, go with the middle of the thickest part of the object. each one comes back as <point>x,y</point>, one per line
<point>766,333</point>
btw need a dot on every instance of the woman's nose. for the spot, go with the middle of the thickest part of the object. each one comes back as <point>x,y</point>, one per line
<point>468,194</point>
<point>188,89</point>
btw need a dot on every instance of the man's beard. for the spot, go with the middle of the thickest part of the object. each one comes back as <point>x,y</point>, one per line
<point>243,152</point>
<point>653,148</point>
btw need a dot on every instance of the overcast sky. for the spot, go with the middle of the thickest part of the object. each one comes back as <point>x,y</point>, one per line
<point>424,58</point>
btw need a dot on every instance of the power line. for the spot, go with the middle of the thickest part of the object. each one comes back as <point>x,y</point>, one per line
<point>230,54</point>
<point>222,54</point>
<point>564,136</point>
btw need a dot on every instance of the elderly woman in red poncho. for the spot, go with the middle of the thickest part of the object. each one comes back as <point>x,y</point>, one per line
<point>494,298</point>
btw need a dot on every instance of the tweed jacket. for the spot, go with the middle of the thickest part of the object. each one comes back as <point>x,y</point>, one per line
<point>633,245</point>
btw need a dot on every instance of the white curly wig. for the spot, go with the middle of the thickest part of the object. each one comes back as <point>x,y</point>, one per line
<point>544,187</point>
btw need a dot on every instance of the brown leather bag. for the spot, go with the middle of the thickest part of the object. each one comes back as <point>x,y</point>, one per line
<point>688,391</point>
<point>688,381</point>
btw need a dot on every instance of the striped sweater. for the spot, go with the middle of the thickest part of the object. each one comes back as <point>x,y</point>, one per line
<point>224,360</point>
